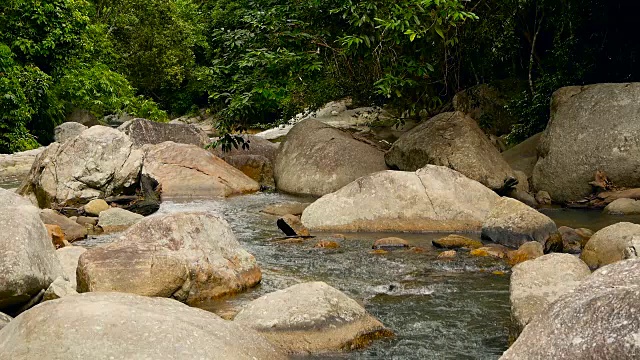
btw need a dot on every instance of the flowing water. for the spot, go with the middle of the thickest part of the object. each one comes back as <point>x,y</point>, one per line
<point>438,309</point>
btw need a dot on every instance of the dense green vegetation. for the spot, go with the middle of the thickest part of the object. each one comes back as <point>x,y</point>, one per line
<point>260,61</point>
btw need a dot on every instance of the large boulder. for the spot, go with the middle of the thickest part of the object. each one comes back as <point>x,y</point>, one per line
<point>68,257</point>
<point>255,161</point>
<point>67,131</point>
<point>72,230</point>
<point>523,157</point>
<point>28,262</point>
<point>613,243</point>
<point>184,170</point>
<point>98,163</point>
<point>105,326</point>
<point>143,131</point>
<point>537,283</point>
<point>191,257</point>
<point>453,140</point>
<point>512,223</point>
<point>597,320</point>
<point>15,167</point>
<point>317,159</point>
<point>310,318</point>
<point>581,139</point>
<point>434,198</point>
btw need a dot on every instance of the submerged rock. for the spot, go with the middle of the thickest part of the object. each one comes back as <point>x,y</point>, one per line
<point>597,320</point>
<point>537,283</point>
<point>98,163</point>
<point>317,159</point>
<point>613,243</point>
<point>390,243</point>
<point>188,256</point>
<point>512,223</point>
<point>580,139</point>
<point>434,198</point>
<point>28,263</point>
<point>186,171</point>
<point>454,241</point>
<point>124,326</point>
<point>311,318</point>
<point>453,140</point>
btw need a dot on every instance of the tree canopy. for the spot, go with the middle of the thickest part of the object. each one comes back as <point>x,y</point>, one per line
<point>257,62</point>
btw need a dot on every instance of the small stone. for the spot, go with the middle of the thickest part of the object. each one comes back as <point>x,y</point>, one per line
<point>417,249</point>
<point>116,219</point>
<point>498,272</point>
<point>456,241</point>
<point>543,198</point>
<point>449,254</point>
<point>327,245</point>
<point>527,251</point>
<point>59,288</point>
<point>57,236</point>
<point>378,252</point>
<point>292,226</point>
<point>72,230</point>
<point>87,220</point>
<point>95,207</point>
<point>390,243</point>
<point>492,251</point>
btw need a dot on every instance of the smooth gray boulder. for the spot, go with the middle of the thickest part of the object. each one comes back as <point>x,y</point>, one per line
<point>317,159</point>
<point>191,256</point>
<point>623,206</point>
<point>597,320</point>
<point>523,157</point>
<point>67,131</point>
<point>105,326</point>
<point>582,138</point>
<point>311,318</point>
<point>537,283</point>
<point>614,243</point>
<point>434,198</point>
<point>143,131</point>
<point>28,262</point>
<point>68,257</point>
<point>512,223</point>
<point>98,163</point>
<point>454,140</point>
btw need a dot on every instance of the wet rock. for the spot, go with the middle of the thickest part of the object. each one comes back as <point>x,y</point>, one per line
<point>579,140</point>
<point>317,159</point>
<point>189,256</point>
<point>95,207</point>
<point>597,320</point>
<point>554,244</point>
<point>527,251</point>
<point>390,243</point>
<point>72,230</point>
<point>116,219</point>
<point>142,131</point>
<point>449,254</point>
<point>613,243</point>
<point>498,252</point>
<point>68,257</point>
<point>59,288</point>
<point>28,263</point>
<point>311,318</point>
<point>327,244</point>
<point>186,171</point>
<point>543,198</point>
<point>15,167</point>
<point>623,207</point>
<point>98,163</point>
<point>67,131</point>
<point>454,241</point>
<point>574,240</point>
<point>453,140</point>
<point>57,236</point>
<point>512,223</point>
<point>537,283</point>
<point>126,326</point>
<point>292,226</point>
<point>523,157</point>
<point>434,198</point>
<point>294,208</point>
<point>4,320</point>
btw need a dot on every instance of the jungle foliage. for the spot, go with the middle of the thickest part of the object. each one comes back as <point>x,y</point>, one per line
<point>261,61</point>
